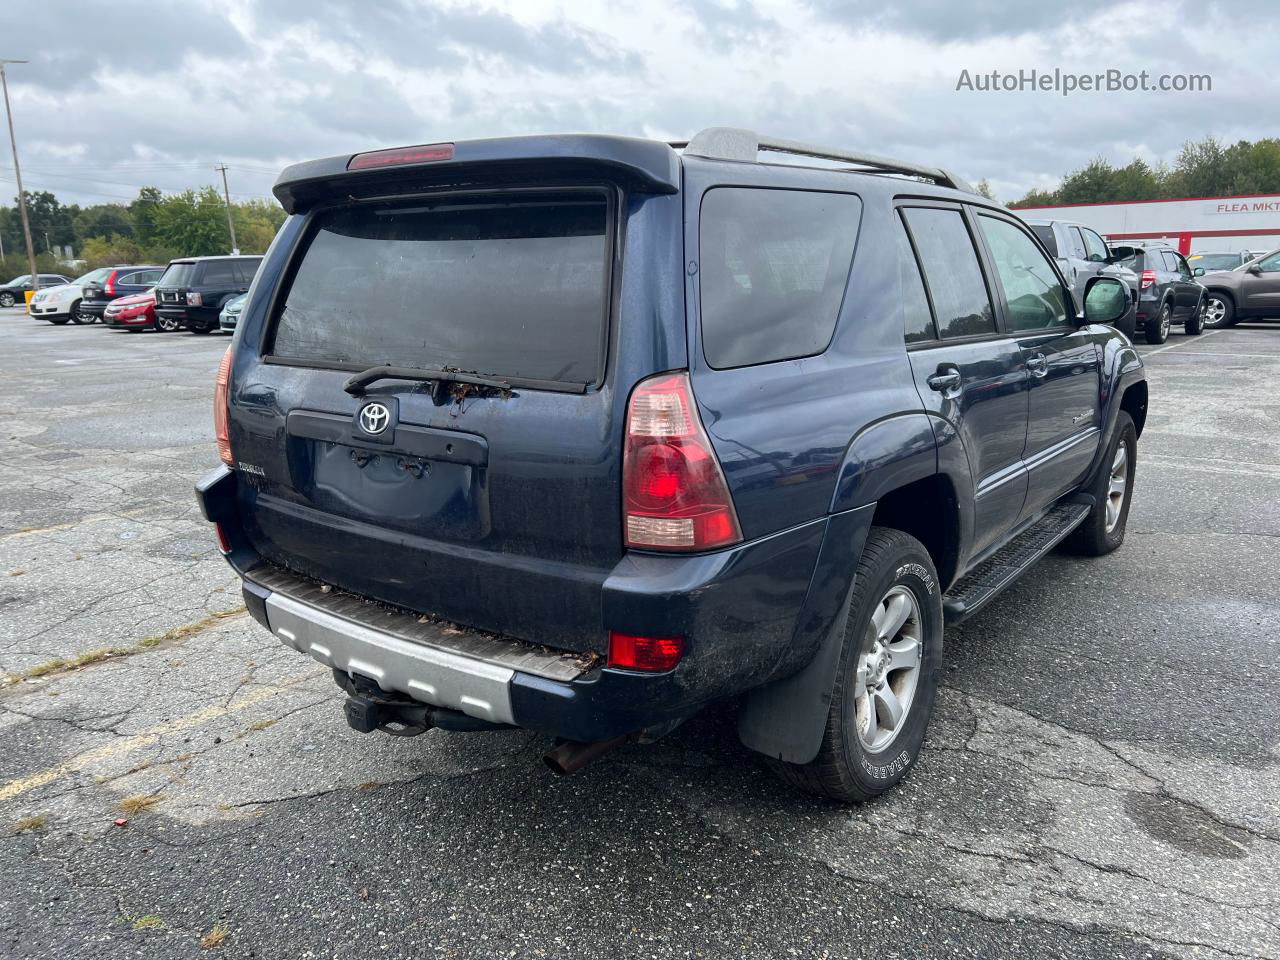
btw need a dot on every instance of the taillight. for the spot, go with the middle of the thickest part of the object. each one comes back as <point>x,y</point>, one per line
<point>1148,278</point>
<point>109,288</point>
<point>651,654</point>
<point>223,543</point>
<point>674,496</point>
<point>427,153</point>
<point>195,299</point>
<point>221,393</point>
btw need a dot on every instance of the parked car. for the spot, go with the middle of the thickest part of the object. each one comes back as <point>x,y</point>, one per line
<point>1168,293</point>
<point>194,290</point>
<point>1251,291</point>
<point>1082,254</point>
<point>61,303</point>
<point>16,289</point>
<point>1211,262</point>
<point>615,432</point>
<point>135,313</point>
<point>230,314</point>
<point>119,281</point>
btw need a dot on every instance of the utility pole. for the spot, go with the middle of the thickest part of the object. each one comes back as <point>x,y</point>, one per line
<point>17,175</point>
<point>222,168</point>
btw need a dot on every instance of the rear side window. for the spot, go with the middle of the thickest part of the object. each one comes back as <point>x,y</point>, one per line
<point>917,320</point>
<point>218,273</point>
<point>961,303</point>
<point>773,266</point>
<point>1045,232</point>
<point>245,269</point>
<point>515,287</point>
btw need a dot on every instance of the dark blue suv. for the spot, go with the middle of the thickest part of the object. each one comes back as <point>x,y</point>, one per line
<point>582,434</point>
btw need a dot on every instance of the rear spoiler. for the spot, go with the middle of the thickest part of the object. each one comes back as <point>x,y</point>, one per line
<point>645,165</point>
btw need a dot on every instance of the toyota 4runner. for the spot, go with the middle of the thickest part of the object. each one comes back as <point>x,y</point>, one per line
<point>581,434</point>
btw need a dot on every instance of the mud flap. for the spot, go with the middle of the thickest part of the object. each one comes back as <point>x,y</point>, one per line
<point>786,718</point>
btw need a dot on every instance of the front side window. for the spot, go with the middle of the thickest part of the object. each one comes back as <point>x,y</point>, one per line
<point>1095,245</point>
<point>773,266</point>
<point>512,286</point>
<point>959,295</point>
<point>1271,264</point>
<point>1036,298</point>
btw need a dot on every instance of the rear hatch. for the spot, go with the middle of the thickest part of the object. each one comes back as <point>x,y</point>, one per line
<point>171,289</point>
<point>487,494</point>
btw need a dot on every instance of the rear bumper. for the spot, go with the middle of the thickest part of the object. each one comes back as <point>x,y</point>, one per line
<point>189,317</point>
<point>744,612</point>
<point>95,307</point>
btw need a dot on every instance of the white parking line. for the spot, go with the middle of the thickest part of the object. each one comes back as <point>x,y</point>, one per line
<point>1207,333</point>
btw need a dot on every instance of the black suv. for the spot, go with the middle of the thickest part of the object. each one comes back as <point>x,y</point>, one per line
<point>1168,292</point>
<point>194,290</point>
<point>582,434</point>
<point>120,281</point>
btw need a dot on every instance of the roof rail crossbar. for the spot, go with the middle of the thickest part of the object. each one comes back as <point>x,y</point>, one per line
<point>735,143</point>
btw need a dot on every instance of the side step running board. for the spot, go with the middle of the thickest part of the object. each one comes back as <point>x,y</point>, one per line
<point>984,582</point>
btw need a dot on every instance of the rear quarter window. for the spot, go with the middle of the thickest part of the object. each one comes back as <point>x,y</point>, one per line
<point>773,265</point>
<point>1044,232</point>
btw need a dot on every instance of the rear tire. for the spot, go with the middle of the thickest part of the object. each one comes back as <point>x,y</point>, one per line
<point>200,328</point>
<point>1195,320</point>
<point>1156,329</point>
<point>890,659</point>
<point>7,300</point>
<point>1103,529</point>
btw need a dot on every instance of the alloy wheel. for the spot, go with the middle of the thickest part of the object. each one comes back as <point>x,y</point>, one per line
<point>7,300</point>
<point>1214,311</point>
<point>888,669</point>
<point>1118,486</point>
<point>1166,318</point>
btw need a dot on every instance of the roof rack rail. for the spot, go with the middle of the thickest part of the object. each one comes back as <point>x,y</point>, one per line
<point>735,143</point>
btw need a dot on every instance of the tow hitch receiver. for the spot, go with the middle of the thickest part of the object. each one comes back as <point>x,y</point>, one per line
<point>369,708</point>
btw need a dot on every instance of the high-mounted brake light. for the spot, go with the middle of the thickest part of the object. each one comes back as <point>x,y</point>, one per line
<point>651,654</point>
<point>109,288</point>
<point>674,495</point>
<point>1148,278</point>
<point>221,395</point>
<point>428,153</point>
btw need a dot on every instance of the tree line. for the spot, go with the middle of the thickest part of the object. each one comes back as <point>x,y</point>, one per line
<point>153,228</point>
<point>1204,168</point>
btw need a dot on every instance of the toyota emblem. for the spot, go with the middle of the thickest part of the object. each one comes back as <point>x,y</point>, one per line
<point>374,418</point>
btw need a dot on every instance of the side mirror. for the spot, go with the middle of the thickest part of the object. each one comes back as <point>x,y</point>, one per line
<point>1106,300</point>
<point>1255,270</point>
<point>1198,272</point>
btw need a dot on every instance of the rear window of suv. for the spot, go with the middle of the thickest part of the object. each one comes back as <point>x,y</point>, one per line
<point>177,275</point>
<point>773,267</point>
<point>509,287</point>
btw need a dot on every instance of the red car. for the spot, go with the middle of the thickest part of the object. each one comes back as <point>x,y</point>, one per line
<point>137,312</point>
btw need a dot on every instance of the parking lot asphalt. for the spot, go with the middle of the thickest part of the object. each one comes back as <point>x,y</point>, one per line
<point>1102,777</point>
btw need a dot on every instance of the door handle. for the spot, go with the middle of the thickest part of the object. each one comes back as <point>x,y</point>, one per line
<point>945,381</point>
<point>1038,365</point>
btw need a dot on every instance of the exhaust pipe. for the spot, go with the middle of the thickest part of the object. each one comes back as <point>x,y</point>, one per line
<point>570,756</point>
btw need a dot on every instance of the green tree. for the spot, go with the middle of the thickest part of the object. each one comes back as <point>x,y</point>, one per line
<point>103,220</point>
<point>984,189</point>
<point>143,211</point>
<point>193,222</point>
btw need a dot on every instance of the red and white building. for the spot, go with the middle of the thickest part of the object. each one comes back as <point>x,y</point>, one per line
<point>1197,225</point>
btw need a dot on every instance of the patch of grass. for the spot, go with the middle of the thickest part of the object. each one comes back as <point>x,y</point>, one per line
<point>213,939</point>
<point>31,824</point>
<point>149,922</point>
<point>17,573</point>
<point>259,725</point>
<point>137,804</point>
<point>65,664</point>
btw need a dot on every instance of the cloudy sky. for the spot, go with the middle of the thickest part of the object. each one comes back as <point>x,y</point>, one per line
<point>128,93</point>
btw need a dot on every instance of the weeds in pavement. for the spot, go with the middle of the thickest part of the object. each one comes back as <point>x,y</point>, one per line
<point>136,804</point>
<point>214,937</point>
<point>149,922</point>
<point>29,824</point>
